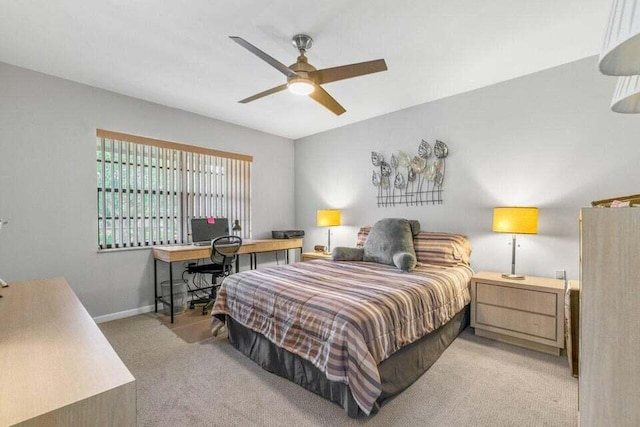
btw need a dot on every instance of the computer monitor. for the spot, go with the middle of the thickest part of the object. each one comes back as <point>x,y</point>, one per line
<point>204,230</point>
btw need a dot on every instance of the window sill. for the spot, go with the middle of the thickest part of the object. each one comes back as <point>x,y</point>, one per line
<point>132,248</point>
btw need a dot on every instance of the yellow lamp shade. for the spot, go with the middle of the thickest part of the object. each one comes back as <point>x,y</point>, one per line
<point>328,217</point>
<point>515,220</point>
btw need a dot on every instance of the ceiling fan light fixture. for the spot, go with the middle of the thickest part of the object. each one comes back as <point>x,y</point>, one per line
<point>301,86</point>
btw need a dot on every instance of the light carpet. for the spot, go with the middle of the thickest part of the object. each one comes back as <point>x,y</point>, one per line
<point>190,326</point>
<point>476,382</point>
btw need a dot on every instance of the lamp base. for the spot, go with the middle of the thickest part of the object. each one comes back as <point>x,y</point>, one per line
<point>513,276</point>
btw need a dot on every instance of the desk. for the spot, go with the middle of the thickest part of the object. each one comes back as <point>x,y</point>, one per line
<point>175,253</point>
<point>56,367</point>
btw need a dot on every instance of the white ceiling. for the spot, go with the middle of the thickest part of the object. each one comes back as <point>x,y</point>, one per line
<point>177,53</point>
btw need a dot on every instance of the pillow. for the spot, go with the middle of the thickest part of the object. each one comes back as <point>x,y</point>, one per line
<point>364,232</point>
<point>444,249</point>
<point>390,242</point>
<point>362,236</point>
<point>405,261</point>
<point>347,254</point>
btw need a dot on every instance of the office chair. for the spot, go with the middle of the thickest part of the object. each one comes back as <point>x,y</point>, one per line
<point>224,251</point>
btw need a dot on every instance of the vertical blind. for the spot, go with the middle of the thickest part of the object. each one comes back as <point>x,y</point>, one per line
<point>148,190</point>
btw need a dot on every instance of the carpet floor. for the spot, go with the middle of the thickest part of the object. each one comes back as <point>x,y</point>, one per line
<point>476,382</point>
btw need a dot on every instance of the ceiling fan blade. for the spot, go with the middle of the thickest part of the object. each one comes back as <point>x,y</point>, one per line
<point>329,75</point>
<point>265,57</point>
<point>263,94</point>
<point>322,96</point>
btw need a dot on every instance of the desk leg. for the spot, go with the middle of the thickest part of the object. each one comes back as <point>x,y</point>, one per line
<point>171,288</point>
<point>237,263</point>
<point>287,255</point>
<point>254,263</point>
<point>155,284</point>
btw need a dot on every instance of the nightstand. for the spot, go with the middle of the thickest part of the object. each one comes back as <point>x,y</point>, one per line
<point>308,256</point>
<point>528,313</point>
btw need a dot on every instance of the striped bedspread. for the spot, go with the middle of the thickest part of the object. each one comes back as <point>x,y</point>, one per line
<point>344,317</point>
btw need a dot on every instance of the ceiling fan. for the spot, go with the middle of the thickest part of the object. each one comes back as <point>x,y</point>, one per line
<point>304,79</point>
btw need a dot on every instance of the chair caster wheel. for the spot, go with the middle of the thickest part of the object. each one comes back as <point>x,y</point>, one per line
<point>192,306</point>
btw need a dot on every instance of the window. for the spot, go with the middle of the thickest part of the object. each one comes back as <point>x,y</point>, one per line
<point>148,190</point>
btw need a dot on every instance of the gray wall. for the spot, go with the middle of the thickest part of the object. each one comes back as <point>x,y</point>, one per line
<point>546,139</point>
<point>48,182</point>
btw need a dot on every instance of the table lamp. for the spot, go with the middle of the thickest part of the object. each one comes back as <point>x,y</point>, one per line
<point>236,228</point>
<point>328,218</point>
<point>515,220</point>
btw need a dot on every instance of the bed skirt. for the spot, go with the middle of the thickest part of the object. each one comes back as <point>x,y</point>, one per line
<point>397,373</point>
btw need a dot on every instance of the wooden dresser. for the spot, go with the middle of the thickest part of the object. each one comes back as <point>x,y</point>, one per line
<point>609,322</point>
<point>528,313</point>
<point>56,367</point>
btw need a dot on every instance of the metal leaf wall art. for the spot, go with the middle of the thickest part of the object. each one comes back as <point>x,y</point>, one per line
<point>416,180</point>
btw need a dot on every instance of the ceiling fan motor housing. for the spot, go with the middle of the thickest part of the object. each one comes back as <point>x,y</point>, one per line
<point>302,69</point>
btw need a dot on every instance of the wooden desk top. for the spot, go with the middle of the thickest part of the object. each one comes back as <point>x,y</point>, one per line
<point>173,253</point>
<point>52,353</point>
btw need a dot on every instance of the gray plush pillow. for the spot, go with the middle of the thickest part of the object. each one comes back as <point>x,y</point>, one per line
<point>415,226</point>
<point>390,242</point>
<point>347,254</point>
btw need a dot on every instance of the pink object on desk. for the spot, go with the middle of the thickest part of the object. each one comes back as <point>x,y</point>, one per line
<point>211,220</point>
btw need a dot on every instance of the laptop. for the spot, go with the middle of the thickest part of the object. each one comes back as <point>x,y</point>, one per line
<point>204,230</point>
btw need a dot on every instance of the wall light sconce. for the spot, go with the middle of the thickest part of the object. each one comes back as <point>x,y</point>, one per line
<point>621,54</point>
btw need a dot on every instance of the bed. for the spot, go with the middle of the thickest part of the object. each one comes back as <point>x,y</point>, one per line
<point>356,333</point>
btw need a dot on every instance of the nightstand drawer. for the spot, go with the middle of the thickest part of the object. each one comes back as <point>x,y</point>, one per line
<point>517,321</point>
<point>520,299</point>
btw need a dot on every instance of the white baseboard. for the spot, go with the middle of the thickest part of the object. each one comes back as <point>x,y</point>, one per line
<point>123,314</point>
